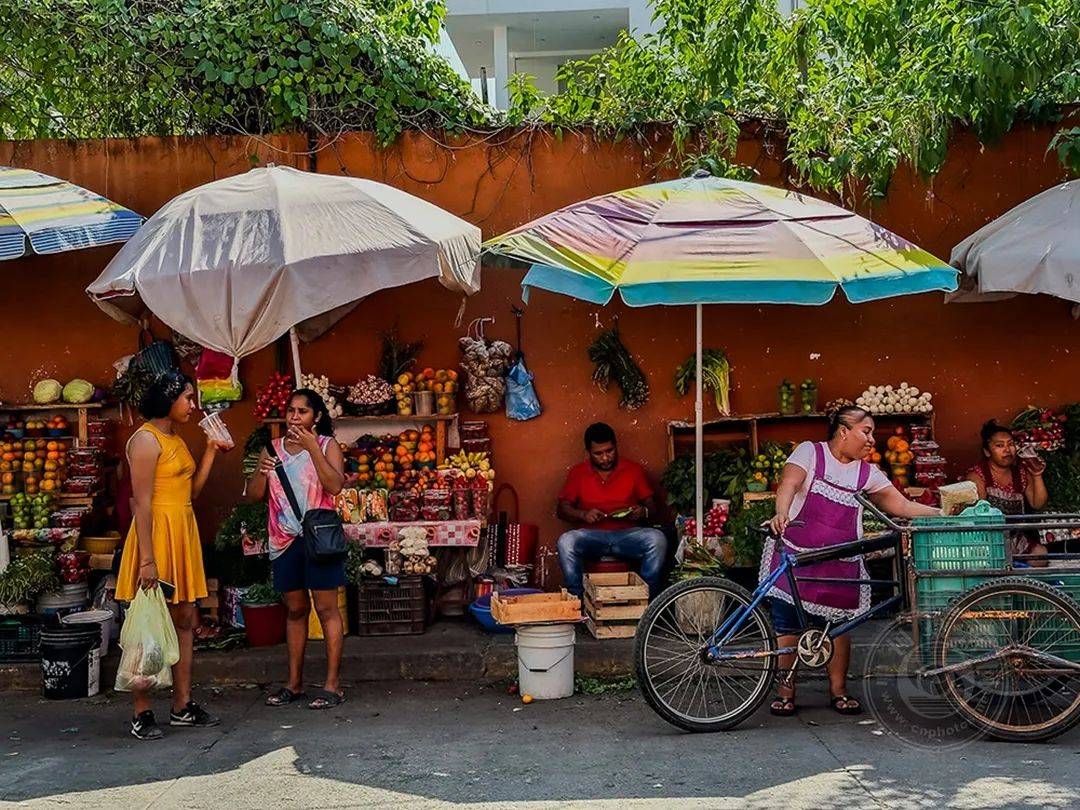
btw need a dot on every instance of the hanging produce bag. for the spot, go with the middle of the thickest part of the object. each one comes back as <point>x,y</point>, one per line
<point>149,644</point>
<point>218,379</point>
<point>521,400</point>
<point>522,403</point>
<point>485,365</point>
<point>154,356</point>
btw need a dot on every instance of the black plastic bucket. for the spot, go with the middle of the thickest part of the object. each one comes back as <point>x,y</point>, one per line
<point>70,664</point>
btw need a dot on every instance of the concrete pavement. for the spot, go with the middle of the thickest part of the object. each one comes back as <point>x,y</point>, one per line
<point>450,650</point>
<point>420,745</point>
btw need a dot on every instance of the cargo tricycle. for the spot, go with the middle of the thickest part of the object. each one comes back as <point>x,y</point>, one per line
<point>998,637</point>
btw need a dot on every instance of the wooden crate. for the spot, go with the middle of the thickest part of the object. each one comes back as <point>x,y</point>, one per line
<point>614,603</point>
<point>536,608</point>
<point>622,587</point>
<point>605,630</point>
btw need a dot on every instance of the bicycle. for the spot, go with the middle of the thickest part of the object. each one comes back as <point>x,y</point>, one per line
<point>1006,652</point>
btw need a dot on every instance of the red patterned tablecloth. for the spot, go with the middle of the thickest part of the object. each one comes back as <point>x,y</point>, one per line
<point>454,533</point>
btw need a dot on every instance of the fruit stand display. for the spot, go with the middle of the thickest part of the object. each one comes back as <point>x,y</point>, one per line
<point>406,493</point>
<point>54,474</point>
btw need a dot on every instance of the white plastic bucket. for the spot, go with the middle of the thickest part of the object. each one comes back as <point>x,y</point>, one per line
<point>546,661</point>
<point>101,617</point>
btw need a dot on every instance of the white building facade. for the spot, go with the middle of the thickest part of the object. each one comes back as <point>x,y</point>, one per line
<point>495,39</point>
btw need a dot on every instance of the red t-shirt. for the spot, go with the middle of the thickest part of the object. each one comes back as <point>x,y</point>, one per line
<point>625,486</point>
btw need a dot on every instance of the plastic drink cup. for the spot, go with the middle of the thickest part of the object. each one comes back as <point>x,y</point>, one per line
<point>215,429</point>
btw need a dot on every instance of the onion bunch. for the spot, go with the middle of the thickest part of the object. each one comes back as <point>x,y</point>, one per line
<point>879,399</point>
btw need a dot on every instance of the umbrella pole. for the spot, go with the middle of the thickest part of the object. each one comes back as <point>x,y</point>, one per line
<point>294,343</point>
<point>699,440</point>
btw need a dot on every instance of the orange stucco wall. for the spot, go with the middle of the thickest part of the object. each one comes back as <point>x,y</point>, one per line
<point>979,360</point>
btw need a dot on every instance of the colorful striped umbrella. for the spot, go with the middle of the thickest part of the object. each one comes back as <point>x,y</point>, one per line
<point>709,240</point>
<point>55,216</point>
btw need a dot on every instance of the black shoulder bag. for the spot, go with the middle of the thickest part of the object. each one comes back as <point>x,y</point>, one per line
<point>322,533</point>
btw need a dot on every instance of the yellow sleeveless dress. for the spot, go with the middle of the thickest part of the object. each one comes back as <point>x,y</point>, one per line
<point>177,550</point>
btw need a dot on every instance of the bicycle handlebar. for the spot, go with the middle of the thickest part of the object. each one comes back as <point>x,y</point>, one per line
<point>1009,522</point>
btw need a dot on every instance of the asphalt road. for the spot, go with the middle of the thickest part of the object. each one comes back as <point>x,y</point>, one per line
<point>456,745</point>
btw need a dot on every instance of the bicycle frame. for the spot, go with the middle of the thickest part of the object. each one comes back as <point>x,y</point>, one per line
<point>789,563</point>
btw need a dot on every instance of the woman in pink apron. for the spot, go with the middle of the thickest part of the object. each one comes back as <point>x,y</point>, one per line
<point>817,490</point>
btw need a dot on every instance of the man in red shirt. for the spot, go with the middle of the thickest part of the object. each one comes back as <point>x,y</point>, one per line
<point>611,500</point>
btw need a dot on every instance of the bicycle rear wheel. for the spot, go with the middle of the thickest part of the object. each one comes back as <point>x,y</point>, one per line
<point>672,639</point>
<point>1018,696</point>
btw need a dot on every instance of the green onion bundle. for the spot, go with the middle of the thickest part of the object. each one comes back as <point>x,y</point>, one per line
<point>715,376</point>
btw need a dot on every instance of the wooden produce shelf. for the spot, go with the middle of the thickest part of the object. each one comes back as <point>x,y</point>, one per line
<point>745,427</point>
<point>64,499</point>
<point>442,423</point>
<point>14,407</point>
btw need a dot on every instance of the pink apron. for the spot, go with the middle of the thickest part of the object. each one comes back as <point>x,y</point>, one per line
<point>829,515</point>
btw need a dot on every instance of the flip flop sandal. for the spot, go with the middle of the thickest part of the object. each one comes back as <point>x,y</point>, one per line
<point>327,700</point>
<point>786,708</point>
<point>283,697</point>
<point>853,706</point>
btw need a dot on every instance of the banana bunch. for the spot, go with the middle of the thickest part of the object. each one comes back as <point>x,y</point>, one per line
<point>472,465</point>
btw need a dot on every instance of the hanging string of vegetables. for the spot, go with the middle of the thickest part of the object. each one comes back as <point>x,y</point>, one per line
<point>614,362</point>
<point>715,376</point>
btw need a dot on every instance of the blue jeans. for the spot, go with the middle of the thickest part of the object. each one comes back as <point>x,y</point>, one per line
<point>648,547</point>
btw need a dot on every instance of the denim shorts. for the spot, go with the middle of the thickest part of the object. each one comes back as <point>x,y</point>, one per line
<point>786,621</point>
<point>294,571</point>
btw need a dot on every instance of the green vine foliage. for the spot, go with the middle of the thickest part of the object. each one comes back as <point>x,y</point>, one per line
<point>856,86</point>
<point>851,88</point>
<point>98,68</point>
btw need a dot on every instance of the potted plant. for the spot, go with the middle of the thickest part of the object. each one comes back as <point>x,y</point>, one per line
<point>264,615</point>
<point>27,575</point>
<point>226,558</point>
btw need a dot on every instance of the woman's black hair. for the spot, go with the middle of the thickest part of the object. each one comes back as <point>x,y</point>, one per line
<point>324,425</point>
<point>990,430</point>
<point>158,398</point>
<point>848,416</point>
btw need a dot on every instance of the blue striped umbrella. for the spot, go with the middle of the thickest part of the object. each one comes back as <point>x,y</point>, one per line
<point>54,215</point>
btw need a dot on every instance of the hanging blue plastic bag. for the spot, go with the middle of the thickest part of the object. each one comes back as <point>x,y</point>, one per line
<point>521,401</point>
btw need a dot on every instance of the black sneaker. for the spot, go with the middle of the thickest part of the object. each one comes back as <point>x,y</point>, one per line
<point>145,727</point>
<point>193,716</point>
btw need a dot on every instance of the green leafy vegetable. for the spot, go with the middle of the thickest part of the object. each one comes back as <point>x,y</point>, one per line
<point>614,362</point>
<point>715,376</point>
<point>28,574</point>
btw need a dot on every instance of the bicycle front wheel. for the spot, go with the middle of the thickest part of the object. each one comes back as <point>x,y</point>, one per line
<point>675,674</point>
<point>1011,647</point>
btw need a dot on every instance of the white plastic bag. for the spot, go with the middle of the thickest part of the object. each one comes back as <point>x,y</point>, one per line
<point>149,642</point>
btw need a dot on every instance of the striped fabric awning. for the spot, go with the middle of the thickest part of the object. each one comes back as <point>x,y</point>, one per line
<point>45,215</point>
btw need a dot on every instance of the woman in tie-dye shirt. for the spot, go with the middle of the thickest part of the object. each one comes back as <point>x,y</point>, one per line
<point>312,461</point>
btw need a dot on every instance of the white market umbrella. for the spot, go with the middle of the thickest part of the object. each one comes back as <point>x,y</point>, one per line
<point>1033,248</point>
<point>237,263</point>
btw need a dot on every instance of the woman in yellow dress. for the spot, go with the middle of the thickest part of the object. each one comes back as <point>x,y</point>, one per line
<point>163,544</point>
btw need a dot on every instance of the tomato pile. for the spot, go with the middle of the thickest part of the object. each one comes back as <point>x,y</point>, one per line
<point>272,399</point>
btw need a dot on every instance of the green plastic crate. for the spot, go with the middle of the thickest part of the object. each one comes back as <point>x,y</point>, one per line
<point>935,593</point>
<point>959,550</point>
